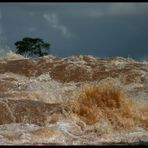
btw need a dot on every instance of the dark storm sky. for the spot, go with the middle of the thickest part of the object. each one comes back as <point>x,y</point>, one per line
<point>100,29</point>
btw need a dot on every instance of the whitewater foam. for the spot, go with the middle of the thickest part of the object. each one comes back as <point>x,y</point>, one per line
<point>85,83</point>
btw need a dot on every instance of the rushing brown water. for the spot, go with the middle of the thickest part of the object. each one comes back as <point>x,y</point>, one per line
<point>77,100</point>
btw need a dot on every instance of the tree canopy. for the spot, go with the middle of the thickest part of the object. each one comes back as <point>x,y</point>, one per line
<point>32,47</point>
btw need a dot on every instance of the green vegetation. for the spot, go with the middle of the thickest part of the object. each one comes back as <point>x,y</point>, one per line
<point>32,47</point>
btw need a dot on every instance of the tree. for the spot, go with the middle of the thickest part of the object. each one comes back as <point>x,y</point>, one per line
<point>32,47</point>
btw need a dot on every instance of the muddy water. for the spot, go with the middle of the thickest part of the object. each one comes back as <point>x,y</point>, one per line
<point>36,98</point>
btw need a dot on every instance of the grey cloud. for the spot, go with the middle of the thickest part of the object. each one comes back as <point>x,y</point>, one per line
<point>127,8</point>
<point>0,14</point>
<point>101,29</point>
<point>3,40</point>
<point>31,29</point>
<point>53,20</point>
<point>113,9</point>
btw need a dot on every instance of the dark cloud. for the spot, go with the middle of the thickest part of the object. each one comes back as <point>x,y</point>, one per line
<point>101,29</point>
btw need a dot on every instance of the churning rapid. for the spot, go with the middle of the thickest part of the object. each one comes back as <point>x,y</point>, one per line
<point>77,100</point>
